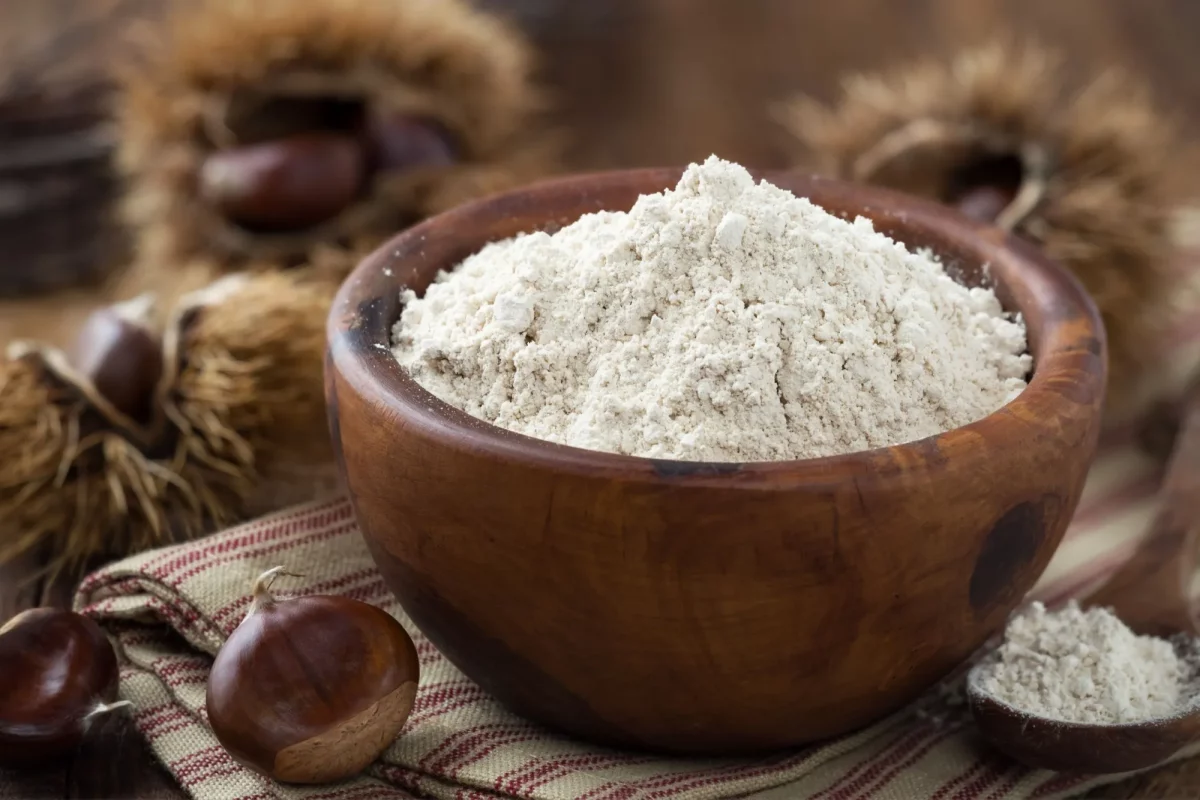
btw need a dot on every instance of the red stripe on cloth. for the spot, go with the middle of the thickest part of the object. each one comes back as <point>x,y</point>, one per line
<point>514,780</point>
<point>152,711</point>
<point>671,785</point>
<point>902,739</point>
<point>547,770</point>
<point>525,780</point>
<point>459,743</point>
<point>212,774</point>
<point>489,745</point>
<point>252,533</point>
<point>1015,772</point>
<point>215,750</point>
<point>149,726</point>
<point>268,539</point>
<point>991,773</point>
<point>444,701</point>
<point>198,679</point>
<point>712,776</point>
<point>963,777</point>
<point>432,694</point>
<point>449,708</point>
<point>401,776</point>
<point>621,792</point>
<point>897,768</point>
<point>592,794</point>
<point>426,652</point>
<point>183,574</point>
<point>174,727</point>
<point>173,665</point>
<point>197,763</point>
<point>904,742</point>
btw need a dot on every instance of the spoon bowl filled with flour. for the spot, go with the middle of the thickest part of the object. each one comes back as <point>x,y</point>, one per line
<point>707,460</point>
<point>1074,689</point>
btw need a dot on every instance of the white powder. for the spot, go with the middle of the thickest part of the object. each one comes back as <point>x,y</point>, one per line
<point>720,321</point>
<point>1083,666</point>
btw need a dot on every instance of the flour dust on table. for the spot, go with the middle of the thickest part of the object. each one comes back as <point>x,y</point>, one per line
<point>723,320</point>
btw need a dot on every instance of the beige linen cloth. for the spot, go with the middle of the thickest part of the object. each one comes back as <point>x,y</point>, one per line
<point>169,611</point>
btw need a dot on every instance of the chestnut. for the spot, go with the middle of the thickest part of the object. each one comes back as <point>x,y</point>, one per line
<point>285,185</point>
<point>983,203</point>
<point>311,689</point>
<point>399,142</point>
<point>122,358</point>
<point>58,673</point>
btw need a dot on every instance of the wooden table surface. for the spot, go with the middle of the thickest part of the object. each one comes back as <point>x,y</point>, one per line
<point>652,82</point>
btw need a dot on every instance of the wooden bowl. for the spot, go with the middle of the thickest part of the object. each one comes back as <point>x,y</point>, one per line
<point>709,607</point>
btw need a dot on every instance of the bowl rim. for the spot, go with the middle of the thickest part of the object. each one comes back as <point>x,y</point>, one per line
<point>357,355</point>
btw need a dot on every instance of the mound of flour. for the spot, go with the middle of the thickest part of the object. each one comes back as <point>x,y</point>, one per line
<point>1084,666</point>
<point>723,320</point>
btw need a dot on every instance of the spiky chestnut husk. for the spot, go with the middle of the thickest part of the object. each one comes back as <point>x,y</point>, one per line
<point>249,384</point>
<point>236,415</point>
<point>76,467</point>
<point>196,88</point>
<point>1081,170</point>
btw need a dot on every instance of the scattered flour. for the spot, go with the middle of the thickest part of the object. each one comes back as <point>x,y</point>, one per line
<point>721,321</point>
<point>1083,666</point>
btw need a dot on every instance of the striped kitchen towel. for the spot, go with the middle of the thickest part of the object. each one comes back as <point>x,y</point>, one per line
<point>168,612</point>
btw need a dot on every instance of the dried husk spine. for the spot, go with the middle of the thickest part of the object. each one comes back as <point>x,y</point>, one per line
<point>1096,164</point>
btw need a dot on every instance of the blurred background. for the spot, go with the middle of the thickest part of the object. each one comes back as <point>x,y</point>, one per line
<point>638,82</point>
<point>663,81</point>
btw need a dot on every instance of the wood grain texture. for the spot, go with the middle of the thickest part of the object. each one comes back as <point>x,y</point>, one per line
<point>616,67</point>
<point>698,607</point>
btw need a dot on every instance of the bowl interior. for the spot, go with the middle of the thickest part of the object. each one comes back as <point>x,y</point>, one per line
<point>972,253</point>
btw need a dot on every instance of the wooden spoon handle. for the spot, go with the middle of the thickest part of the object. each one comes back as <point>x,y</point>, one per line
<point>1151,592</point>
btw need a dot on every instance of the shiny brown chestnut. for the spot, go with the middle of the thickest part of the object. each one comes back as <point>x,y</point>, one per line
<point>983,203</point>
<point>122,357</point>
<point>286,184</point>
<point>58,673</point>
<point>311,689</point>
<point>399,141</point>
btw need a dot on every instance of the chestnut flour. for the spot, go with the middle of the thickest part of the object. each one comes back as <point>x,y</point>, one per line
<point>723,320</point>
<point>1084,666</point>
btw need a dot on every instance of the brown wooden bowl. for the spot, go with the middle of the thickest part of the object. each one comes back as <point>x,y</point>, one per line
<point>708,607</point>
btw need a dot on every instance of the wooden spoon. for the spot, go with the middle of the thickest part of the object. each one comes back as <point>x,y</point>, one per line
<point>1151,595</point>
